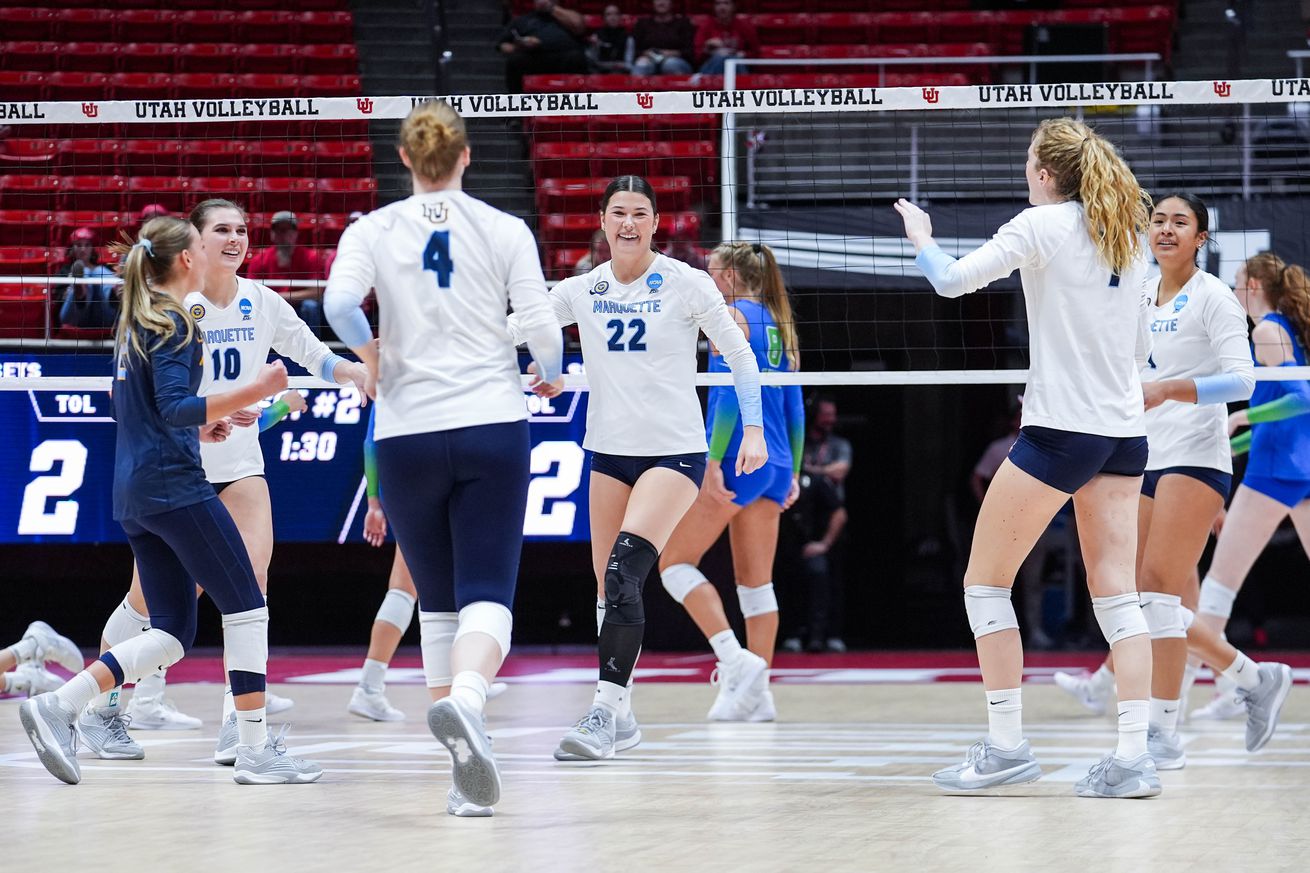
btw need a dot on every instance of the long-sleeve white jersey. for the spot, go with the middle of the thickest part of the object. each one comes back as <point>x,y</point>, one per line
<point>639,347</point>
<point>1200,332</point>
<point>238,339</point>
<point>1086,330</point>
<point>446,267</point>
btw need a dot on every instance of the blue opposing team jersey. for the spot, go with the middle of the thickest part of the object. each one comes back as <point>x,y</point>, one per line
<point>771,356</point>
<point>1281,449</point>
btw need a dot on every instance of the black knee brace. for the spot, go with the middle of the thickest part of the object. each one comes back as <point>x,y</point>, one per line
<point>625,576</point>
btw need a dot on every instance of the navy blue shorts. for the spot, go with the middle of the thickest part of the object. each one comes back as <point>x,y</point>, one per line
<point>628,468</point>
<point>1216,479</point>
<point>772,481</point>
<point>456,501</point>
<point>220,487</point>
<point>1068,460</point>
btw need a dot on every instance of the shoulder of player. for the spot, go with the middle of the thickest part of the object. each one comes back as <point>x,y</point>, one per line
<point>575,285</point>
<point>1268,330</point>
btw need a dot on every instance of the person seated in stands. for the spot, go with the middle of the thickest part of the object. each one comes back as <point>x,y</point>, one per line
<point>611,48</point>
<point>87,305</point>
<point>598,254</point>
<point>546,40</point>
<point>664,43</point>
<point>725,35</point>
<point>152,210</point>
<point>285,261</point>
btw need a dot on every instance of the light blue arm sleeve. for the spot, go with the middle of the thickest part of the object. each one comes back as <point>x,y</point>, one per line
<point>1222,388</point>
<point>347,320</point>
<point>936,265</point>
<point>331,363</point>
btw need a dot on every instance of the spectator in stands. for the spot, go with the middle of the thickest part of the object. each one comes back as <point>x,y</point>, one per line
<point>149,211</point>
<point>611,48</point>
<point>89,305</point>
<point>826,454</point>
<point>725,35</point>
<point>546,40</point>
<point>598,254</point>
<point>664,43</point>
<point>286,260</point>
<point>816,523</point>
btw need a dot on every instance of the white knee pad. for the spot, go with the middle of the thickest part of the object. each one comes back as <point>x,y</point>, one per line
<point>1164,615</point>
<point>989,610</point>
<point>145,653</point>
<point>245,640</point>
<point>484,617</point>
<point>436,636</point>
<point>1216,598</point>
<point>397,609</point>
<point>757,601</point>
<point>1189,618</point>
<point>680,579</point>
<point>1120,617</point>
<point>123,624</point>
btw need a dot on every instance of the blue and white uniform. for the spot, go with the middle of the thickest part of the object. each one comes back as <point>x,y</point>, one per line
<point>1200,334</point>
<point>1082,409</point>
<point>639,346</point>
<point>451,430</point>
<point>784,415</point>
<point>1279,465</point>
<point>180,532</point>
<point>238,339</point>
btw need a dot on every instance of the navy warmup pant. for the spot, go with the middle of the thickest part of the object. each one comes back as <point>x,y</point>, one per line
<point>182,548</point>
<point>456,501</point>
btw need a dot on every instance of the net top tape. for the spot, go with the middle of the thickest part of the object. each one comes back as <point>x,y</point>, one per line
<point>769,100</point>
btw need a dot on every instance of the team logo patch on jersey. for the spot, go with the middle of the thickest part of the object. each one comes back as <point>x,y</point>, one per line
<point>197,311</point>
<point>246,308</point>
<point>1179,302</point>
<point>654,282</point>
<point>437,213</point>
<point>601,287</point>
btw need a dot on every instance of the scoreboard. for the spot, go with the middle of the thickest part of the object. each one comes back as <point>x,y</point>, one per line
<point>57,461</point>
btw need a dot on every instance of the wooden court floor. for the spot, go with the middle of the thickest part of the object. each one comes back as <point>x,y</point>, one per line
<point>839,783</point>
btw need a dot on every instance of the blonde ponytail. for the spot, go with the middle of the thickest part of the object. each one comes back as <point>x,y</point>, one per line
<point>758,270</point>
<point>1087,168</point>
<point>142,264</point>
<point>434,137</point>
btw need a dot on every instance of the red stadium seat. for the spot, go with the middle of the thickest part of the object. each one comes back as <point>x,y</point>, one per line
<point>346,159</point>
<point>240,189</point>
<point>140,86</point>
<point>330,86</point>
<point>553,82</point>
<point>29,55</point>
<point>325,27</point>
<point>563,262</point>
<point>27,24</point>
<point>965,26</point>
<point>29,191</point>
<point>26,227</point>
<point>276,157</point>
<point>786,27</point>
<point>900,27</point>
<point>328,59</point>
<point>204,86</point>
<point>695,159</point>
<point>27,155</point>
<point>100,193</point>
<point>275,193</point>
<point>22,85</point>
<point>583,195</point>
<point>77,86</point>
<point>558,159</point>
<point>23,309</point>
<point>327,230</point>
<point>106,224</point>
<point>72,25</point>
<point>838,27</point>
<point>567,128</point>
<point>90,57</point>
<point>576,228</point>
<point>209,57</point>
<point>23,260</point>
<point>88,155</point>
<point>346,195</point>
<point>144,25</point>
<point>148,57</point>
<point>212,157</point>
<point>269,57</point>
<point>206,25</point>
<point>171,191</point>
<point>611,159</point>
<point>265,85</point>
<point>264,25</point>
<point>690,127</point>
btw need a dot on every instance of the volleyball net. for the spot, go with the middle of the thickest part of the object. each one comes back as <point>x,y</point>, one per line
<point>810,171</point>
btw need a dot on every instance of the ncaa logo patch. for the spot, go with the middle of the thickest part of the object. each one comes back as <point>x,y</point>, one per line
<point>197,311</point>
<point>1179,302</point>
<point>601,287</point>
<point>246,308</point>
<point>654,282</point>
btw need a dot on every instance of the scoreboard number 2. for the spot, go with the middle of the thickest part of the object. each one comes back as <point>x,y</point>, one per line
<point>33,518</point>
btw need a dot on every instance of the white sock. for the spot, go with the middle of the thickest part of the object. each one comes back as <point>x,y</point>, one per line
<point>24,649</point>
<point>1103,677</point>
<point>252,728</point>
<point>610,696</point>
<point>1134,719</point>
<point>1005,718</point>
<point>725,645</point>
<point>79,691</point>
<point>1164,715</point>
<point>151,686</point>
<point>229,703</point>
<point>1243,673</point>
<point>600,615</point>
<point>1189,679</point>
<point>625,709</point>
<point>470,689</point>
<point>374,680</point>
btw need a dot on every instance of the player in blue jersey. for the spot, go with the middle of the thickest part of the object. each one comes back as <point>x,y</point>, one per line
<point>180,533</point>
<point>1277,481</point>
<point>750,505</point>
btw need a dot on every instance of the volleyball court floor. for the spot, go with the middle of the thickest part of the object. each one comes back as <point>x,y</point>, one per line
<point>839,782</point>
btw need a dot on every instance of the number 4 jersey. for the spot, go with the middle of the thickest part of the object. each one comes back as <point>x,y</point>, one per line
<point>237,339</point>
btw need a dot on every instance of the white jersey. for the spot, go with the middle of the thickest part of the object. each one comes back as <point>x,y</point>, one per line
<point>238,339</point>
<point>1200,332</point>
<point>446,268</point>
<point>1086,331</point>
<point>639,347</point>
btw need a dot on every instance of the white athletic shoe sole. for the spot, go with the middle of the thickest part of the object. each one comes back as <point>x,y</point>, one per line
<point>47,746</point>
